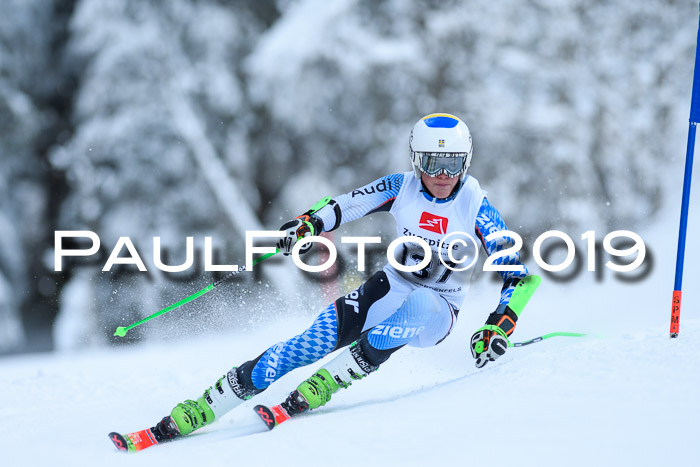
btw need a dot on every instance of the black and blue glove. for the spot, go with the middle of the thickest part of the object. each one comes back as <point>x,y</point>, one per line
<point>296,229</point>
<point>491,341</point>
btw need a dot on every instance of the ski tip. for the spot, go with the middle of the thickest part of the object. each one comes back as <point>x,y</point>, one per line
<point>119,441</point>
<point>265,415</point>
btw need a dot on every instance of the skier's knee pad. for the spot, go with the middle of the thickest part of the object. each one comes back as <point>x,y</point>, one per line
<point>439,318</point>
<point>424,304</point>
<point>415,315</point>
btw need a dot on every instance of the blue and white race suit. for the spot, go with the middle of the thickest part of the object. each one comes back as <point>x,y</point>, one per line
<point>396,308</point>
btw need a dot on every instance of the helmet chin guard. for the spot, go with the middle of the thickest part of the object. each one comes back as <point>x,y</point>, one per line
<point>436,139</point>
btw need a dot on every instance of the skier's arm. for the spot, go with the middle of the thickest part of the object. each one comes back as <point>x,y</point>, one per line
<point>488,221</point>
<point>374,197</point>
<point>491,341</point>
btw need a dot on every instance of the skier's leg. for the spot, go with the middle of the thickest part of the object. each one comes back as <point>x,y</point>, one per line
<point>336,326</point>
<point>424,319</point>
<point>253,377</point>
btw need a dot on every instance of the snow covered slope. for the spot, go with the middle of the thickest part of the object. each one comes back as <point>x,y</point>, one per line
<point>629,397</point>
<point>626,399</point>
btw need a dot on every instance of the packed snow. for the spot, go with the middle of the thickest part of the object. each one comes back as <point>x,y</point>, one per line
<point>202,117</point>
<point>626,395</point>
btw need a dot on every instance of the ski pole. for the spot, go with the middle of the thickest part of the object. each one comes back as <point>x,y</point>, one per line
<point>547,336</point>
<point>122,330</point>
<point>685,201</point>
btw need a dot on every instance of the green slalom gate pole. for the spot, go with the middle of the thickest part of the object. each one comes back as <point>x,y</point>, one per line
<point>547,336</point>
<point>122,330</point>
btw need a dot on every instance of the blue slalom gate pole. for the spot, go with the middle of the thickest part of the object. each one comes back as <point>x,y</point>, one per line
<point>690,150</point>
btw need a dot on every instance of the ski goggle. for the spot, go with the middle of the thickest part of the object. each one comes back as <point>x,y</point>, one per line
<point>450,163</point>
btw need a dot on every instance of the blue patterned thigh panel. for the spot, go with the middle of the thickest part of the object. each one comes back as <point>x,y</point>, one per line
<point>308,347</point>
<point>420,309</point>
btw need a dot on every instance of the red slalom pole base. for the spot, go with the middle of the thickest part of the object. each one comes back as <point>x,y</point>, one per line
<point>675,313</point>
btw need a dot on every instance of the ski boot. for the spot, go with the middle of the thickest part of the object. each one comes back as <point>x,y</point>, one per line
<point>228,392</point>
<point>219,399</point>
<point>340,372</point>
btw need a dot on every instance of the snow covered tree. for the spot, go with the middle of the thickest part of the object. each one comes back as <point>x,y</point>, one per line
<point>569,131</point>
<point>156,101</point>
<point>33,96</point>
<point>201,117</point>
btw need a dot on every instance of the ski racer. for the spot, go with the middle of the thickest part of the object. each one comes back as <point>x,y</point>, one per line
<point>393,308</point>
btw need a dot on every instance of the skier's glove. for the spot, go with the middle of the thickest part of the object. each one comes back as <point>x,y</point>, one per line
<point>296,229</point>
<point>491,341</point>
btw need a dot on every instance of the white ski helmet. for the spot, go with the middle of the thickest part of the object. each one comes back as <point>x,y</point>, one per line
<point>440,143</point>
